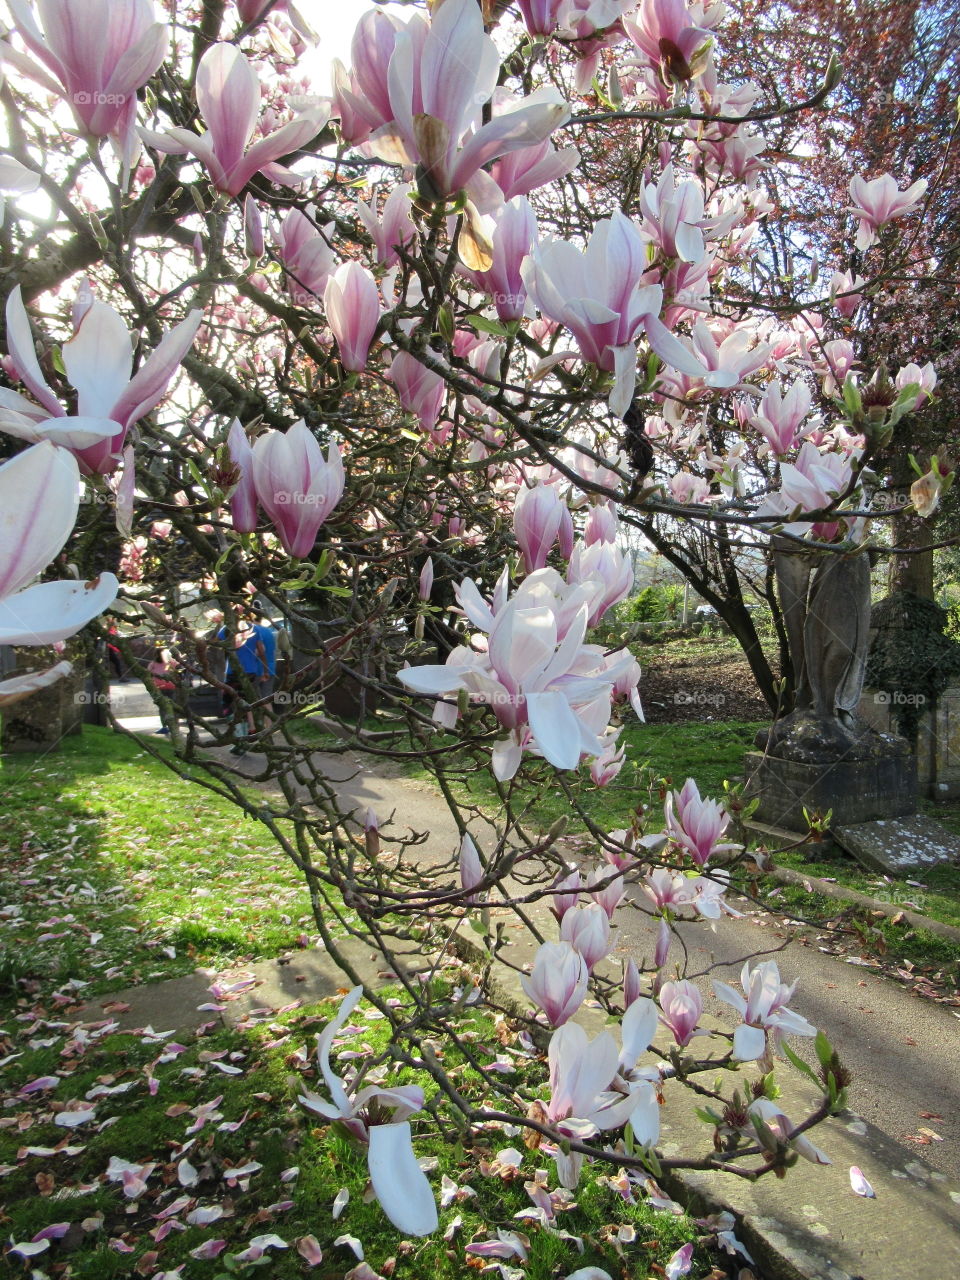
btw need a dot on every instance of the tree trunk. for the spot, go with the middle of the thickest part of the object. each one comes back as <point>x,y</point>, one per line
<point>731,609</point>
<point>913,572</point>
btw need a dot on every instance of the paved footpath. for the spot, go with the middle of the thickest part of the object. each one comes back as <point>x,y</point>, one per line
<point>903,1053</point>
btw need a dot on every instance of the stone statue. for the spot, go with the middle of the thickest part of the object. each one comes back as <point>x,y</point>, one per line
<point>825,598</point>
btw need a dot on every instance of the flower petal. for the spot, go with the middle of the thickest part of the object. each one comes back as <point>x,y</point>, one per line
<point>399,1183</point>
<point>52,611</point>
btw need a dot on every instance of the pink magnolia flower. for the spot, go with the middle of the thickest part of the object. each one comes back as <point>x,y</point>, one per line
<point>352,302</point>
<point>765,1007</point>
<point>844,286</point>
<point>513,235</point>
<point>782,1130</point>
<point>243,499</point>
<point>695,824</point>
<point>581,1073</point>
<point>591,26</point>
<point>676,42</point>
<point>101,52</point>
<point>425,586</point>
<point>611,894</point>
<point>681,1008</point>
<point>631,982</point>
<point>228,95</point>
<point>601,524</point>
<point>420,390</point>
<point>253,241</point>
<point>471,868</point>
<point>689,489</point>
<point>295,486</point>
<point>437,79</point>
<point>605,767</point>
<point>540,17</point>
<point>558,981</point>
<point>565,893</point>
<point>39,500</point>
<point>813,483</point>
<point>307,257</point>
<point>666,888</point>
<point>662,950</point>
<point>779,417</point>
<point>540,519</point>
<point>672,216</point>
<point>627,685</point>
<point>587,929</point>
<point>361,95</point>
<point>879,202</point>
<point>596,293</point>
<point>924,377</point>
<point>399,1183</point>
<point>98,360</point>
<point>605,566</point>
<point>705,895</point>
<point>394,228</point>
<point>545,686</point>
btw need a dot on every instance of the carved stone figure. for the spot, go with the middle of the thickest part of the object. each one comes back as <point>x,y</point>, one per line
<point>825,598</point>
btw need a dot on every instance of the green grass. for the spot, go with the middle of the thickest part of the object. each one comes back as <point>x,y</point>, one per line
<point>939,897</point>
<point>99,838</point>
<point>278,1134</point>
<point>658,756</point>
<point>905,953</point>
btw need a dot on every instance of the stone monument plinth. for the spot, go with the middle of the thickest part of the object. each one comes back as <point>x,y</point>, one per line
<point>884,786</point>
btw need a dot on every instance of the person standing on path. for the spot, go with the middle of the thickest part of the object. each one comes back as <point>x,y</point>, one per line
<point>246,662</point>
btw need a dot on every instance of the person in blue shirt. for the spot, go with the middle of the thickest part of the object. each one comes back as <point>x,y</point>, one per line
<point>247,660</point>
<point>268,638</point>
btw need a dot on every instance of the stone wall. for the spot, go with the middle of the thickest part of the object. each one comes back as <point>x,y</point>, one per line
<point>938,738</point>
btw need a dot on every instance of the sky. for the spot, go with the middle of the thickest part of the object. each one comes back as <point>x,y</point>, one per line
<point>335,21</point>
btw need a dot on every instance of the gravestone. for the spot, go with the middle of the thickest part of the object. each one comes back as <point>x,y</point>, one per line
<point>898,845</point>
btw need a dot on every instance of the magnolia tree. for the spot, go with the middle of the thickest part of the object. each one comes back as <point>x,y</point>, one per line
<point>403,356</point>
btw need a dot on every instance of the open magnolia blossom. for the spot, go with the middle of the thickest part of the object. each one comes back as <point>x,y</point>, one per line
<point>879,202</point>
<point>595,1087</point>
<point>398,1181</point>
<point>101,52</point>
<point>815,482</point>
<point>602,296</point>
<point>228,95</point>
<point>764,1009</point>
<point>551,691</point>
<point>39,499</point>
<point>421,88</point>
<point>98,360</point>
